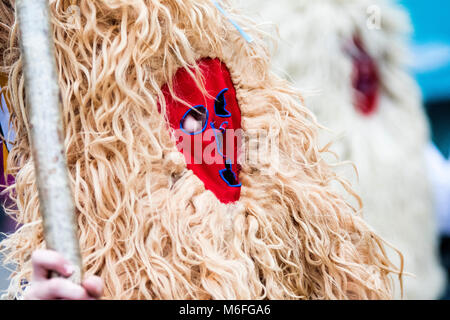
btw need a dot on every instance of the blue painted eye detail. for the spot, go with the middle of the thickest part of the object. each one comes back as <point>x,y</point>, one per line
<point>220,105</point>
<point>229,176</point>
<point>198,113</point>
<point>219,136</point>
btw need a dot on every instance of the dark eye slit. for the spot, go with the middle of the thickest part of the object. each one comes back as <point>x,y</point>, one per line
<point>220,105</point>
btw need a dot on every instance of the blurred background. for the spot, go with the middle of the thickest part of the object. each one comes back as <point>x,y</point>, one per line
<point>431,66</point>
<point>430,46</point>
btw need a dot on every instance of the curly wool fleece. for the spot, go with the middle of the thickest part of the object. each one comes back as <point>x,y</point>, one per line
<point>147,225</point>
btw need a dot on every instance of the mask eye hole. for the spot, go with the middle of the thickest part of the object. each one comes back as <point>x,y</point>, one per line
<point>229,176</point>
<point>194,120</point>
<point>220,105</point>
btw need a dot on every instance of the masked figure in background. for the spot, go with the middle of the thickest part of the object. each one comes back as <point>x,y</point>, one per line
<point>353,53</point>
<point>143,81</point>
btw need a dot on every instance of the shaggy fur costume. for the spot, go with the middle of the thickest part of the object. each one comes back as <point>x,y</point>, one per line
<point>387,144</point>
<point>147,225</point>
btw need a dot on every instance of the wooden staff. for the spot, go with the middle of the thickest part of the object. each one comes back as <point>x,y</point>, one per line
<point>47,134</point>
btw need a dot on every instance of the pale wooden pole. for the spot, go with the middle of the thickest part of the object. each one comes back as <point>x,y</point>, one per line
<point>47,134</point>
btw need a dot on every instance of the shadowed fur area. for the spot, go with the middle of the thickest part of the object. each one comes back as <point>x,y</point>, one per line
<point>146,224</point>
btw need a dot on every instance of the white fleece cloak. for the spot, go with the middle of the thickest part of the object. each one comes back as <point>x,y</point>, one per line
<point>388,146</point>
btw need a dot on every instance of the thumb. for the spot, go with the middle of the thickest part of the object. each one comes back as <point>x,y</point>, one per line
<point>94,286</point>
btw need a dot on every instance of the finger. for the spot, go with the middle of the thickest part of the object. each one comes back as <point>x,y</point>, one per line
<point>94,286</point>
<point>57,288</point>
<point>29,294</point>
<point>45,261</point>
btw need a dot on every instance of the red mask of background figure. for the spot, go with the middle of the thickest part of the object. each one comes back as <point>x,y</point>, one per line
<point>365,78</point>
<point>207,131</point>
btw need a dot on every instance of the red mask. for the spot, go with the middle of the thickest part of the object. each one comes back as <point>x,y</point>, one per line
<point>365,78</point>
<point>206,131</point>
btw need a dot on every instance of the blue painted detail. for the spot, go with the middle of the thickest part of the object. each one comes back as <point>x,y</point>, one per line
<point>220,105</point>
<point>245,35</point>
<point>218,143</point>
<point>186,114</point>
<point>221,126</point>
